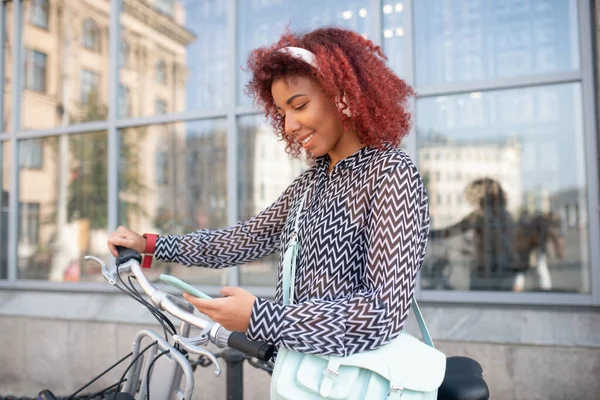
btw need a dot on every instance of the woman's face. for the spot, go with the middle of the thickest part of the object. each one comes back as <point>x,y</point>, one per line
<point>310,117</point>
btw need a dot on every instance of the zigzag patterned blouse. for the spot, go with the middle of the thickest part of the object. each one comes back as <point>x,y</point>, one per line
<point>362,241</point>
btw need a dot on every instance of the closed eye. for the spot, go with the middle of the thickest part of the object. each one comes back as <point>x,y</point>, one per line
<point>300,107</point>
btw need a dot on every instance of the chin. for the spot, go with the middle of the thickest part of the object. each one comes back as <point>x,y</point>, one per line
<point>317,152</point>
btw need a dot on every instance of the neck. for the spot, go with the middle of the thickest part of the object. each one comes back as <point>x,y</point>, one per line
<point>348,144</point>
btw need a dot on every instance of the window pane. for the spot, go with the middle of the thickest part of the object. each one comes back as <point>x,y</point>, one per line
<point>7,50</point>
<point>124,102</point>
<point>35,73</point>
<point>393,35</point>
<point>63,208</point>
<point>509,168</point>
<point>264,171</point>
<point>54,61</point>
<point>31,154</point>
<point>265,21</point>
<point>90,34</point>
<point>5,160</point>
<point>173,181</point>
<point>123,53</point>
<point>39,13</point>
<point>182,59</point>
<point>89,86</point>
<point>471,40</point>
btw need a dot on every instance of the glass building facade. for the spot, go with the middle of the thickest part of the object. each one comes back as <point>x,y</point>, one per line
<point>134,113</point>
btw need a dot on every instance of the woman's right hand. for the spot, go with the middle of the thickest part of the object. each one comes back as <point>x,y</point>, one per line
<point>126,238</point>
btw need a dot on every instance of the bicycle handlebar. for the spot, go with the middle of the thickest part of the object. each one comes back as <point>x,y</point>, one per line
<point>129,260</point>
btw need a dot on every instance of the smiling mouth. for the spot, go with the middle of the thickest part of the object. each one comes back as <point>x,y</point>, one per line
<point>307,139</point>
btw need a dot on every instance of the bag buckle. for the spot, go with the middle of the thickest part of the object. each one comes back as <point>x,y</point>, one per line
<point>394,389</point>
<point>330,373</point>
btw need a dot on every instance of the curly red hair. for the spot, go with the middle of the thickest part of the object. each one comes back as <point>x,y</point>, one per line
<point>349,65</point>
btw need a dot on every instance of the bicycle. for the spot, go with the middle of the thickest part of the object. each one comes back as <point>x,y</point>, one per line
<point>173,377</point>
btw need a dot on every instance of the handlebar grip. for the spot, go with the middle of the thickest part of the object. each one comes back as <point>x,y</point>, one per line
<point>261,350</point>
<point>126,254</point>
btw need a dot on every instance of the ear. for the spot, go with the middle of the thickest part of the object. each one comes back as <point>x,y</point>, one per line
<point>346,111</point>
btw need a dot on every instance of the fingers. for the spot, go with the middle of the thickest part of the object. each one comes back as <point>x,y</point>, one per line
<point>227,291</point>
<point>213,308</point>
<point>125,238</point>
<point>232,311</point>
<point>205,305</point>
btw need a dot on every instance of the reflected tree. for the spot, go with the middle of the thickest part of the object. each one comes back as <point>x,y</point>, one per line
<point>88,184</point>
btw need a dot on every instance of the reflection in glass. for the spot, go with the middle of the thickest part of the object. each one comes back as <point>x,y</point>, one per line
<point>5,160</point>
<point>181,59</point>
<point>173,181</point>
<point>40,13</point>
<point>393,35</point>
<point>506,181</point>
<point>265,21</point>
<point>471,40</point>
<point>7,50</point>
<point>65,63</point>
<point>264,172</point>
<point>62,206</point>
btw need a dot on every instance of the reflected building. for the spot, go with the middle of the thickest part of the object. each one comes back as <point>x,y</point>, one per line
<point>266,170</point>
<point>66,78</point>
<point>205,189</point>
<point>448,167</point>
<point>273,169</point>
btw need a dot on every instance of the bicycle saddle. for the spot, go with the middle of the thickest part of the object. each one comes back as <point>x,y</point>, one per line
<point>463,380</point>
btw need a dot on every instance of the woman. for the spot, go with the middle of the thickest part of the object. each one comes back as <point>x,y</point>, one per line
<point>365,221</point>
<point>496,262</point>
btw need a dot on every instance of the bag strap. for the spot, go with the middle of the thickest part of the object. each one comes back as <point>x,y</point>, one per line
<point>424,331</point>
<point>290,258</point>
<point>289,275</point>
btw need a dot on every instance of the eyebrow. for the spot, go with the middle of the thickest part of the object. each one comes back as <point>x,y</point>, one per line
<point>288,102</point>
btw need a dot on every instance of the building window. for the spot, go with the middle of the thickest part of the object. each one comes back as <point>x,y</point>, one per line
<point>162,168</point>
<point>124,102</point>
<point>39,13</point>
<point>35,70</point>
<point>160,107</point>
<point>123,54</point>
<point>90,35</point>
<point>29,215</point>
<point>31,153</point>
<point>89,84</point>
<point>165,6</point>
<point>161,72</point>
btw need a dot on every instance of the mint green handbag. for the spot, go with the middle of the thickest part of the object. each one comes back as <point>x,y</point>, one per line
<point>404,369</point>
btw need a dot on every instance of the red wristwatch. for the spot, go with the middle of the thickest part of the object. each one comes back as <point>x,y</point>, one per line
<point>149,250</point>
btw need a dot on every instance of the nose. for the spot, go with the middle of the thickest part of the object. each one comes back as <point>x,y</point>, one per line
<point>292,126</point>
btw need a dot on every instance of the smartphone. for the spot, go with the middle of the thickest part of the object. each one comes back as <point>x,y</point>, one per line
<point>184,287</point>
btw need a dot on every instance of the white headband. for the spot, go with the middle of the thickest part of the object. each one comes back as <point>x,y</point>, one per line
<point>311,59</point>
<point>297,52</point>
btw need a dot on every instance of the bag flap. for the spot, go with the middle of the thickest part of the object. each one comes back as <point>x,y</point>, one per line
<point>406,361</point>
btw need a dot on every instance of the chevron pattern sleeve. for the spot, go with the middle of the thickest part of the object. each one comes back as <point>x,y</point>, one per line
<point>244,242</point>
<point>363,306</point>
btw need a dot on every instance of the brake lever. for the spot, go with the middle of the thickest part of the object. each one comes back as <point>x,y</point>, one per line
<point>110,276</point>
<point>191,346</point>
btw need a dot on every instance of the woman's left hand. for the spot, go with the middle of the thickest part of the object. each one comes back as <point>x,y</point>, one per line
<point>232,310</point>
